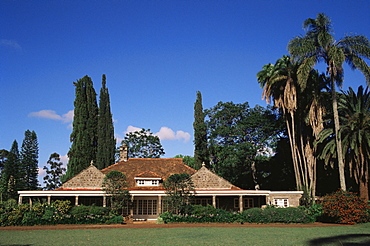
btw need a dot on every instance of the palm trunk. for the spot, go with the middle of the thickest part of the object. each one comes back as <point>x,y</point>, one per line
<point>292,142</point>
<point>338,141</point>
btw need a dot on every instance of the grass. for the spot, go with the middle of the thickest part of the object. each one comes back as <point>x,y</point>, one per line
<point>343,235</point>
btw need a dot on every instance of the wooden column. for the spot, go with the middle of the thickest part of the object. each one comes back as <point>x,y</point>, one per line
<point>49,200</point>
<point>76,200</point>
<point>240,203</point>
<point>159,209</point>
<point>20,199</point>
<point>214,201</point>
<point>132,207</point>
<point>104,201</point>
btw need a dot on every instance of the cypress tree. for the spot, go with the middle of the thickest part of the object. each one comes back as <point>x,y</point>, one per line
<point>106,142</point>
<point>200,134</point>
<point>9,182</point>
<point>84,134</point>
<point>29,161</point>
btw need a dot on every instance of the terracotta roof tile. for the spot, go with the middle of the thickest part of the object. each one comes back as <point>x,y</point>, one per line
<point>162,167</point>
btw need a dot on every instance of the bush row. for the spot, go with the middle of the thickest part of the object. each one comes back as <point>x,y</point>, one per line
<point>58,212</point>
<point>209,214</point>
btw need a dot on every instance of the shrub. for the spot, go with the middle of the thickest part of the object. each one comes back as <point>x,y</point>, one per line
<point>345,208</point>
<point>276,215</point>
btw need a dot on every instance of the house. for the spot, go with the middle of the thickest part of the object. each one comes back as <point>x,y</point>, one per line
<point>144,178</point>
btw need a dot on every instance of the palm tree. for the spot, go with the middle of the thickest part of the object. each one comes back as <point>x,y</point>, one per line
<point>303,111</point>
<point>278,83</point>
<point>355,133</point>
<point>319,45</point>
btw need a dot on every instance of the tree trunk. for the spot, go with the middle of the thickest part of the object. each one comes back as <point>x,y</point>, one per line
<point>342,179</point>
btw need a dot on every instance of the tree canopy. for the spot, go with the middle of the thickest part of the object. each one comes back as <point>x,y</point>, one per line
<point>143,144</point>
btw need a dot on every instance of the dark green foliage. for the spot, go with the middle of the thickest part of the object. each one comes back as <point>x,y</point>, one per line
<point>53,174</point>
<point>188,160</point>
<point>29,161</point>
<point>276,215</point>
<point>84,135</point>
<point>10,175</point>
<point>58,212</point>
<point>143,144</point>
<point>179,190</point>
<point>201,154</point>
<point>209,214</point>
<point>106,142</point>
<point>115,187</point>
<point>237,136</point>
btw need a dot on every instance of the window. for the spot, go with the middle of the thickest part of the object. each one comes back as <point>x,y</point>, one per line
<point>202,201</point>
<point>147,182</point>
<point>145,207</point>
<point>281,202</point>
<point>247,203</point>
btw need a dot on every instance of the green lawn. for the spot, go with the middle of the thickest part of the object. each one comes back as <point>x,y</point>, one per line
<point>343,235</point>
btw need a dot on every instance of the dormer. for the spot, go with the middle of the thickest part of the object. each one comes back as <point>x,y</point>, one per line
<point>147,178</point>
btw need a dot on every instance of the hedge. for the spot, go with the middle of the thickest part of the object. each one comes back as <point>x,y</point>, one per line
<point>58,212</point>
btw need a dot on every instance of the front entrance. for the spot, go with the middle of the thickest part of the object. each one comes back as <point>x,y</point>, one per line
<point>145,208</point>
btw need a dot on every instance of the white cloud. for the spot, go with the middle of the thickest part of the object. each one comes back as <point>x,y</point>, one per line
<point>165,133</point>
<point>183,135</point>
<point>10,44</point>
<point>41,171</point>
<point>51,114</point>
<point>132,129</point>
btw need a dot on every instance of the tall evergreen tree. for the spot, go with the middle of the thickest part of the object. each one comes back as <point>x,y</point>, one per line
<point>10,173</point>
<point>53,174</point>
<point>84,134</point>
<point>106,141</point>
<point>29,160</point>
<point>200,134</point>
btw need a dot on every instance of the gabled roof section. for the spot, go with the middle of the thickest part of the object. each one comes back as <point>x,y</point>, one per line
<point>206,179</point>
<point>162,167</point>
<point>148,174</point>
<point>89,178</point>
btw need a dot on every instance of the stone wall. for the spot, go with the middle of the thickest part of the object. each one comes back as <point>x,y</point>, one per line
<point>205,179</point>
<point>90,178</point>
<point>293,197</point>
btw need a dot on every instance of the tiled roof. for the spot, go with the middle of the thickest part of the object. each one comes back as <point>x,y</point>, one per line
<point>162,167</point>
<point>148,174</point>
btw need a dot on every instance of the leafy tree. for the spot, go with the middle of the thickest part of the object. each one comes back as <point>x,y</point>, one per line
<point>319,45</point>
<point>84,135</point>
<point>237,135</point>
<point>179,190</point>
<point>54,173</point>
<point>187,159</point>
<point>200,134</point>
<point>143,144</point>
<point>29,161</point>
<point>115,187</point>
<point>355,134</point>
<point>10,175</point>
<point>106,142</point>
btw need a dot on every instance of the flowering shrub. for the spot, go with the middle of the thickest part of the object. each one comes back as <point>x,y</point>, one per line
<point>345,208</point>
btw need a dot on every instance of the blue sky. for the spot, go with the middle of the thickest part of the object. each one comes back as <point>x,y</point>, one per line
<point>155,54</point>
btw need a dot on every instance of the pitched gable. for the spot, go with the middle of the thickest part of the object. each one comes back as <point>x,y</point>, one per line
<point>205,179</point>
<point>89,178</point>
